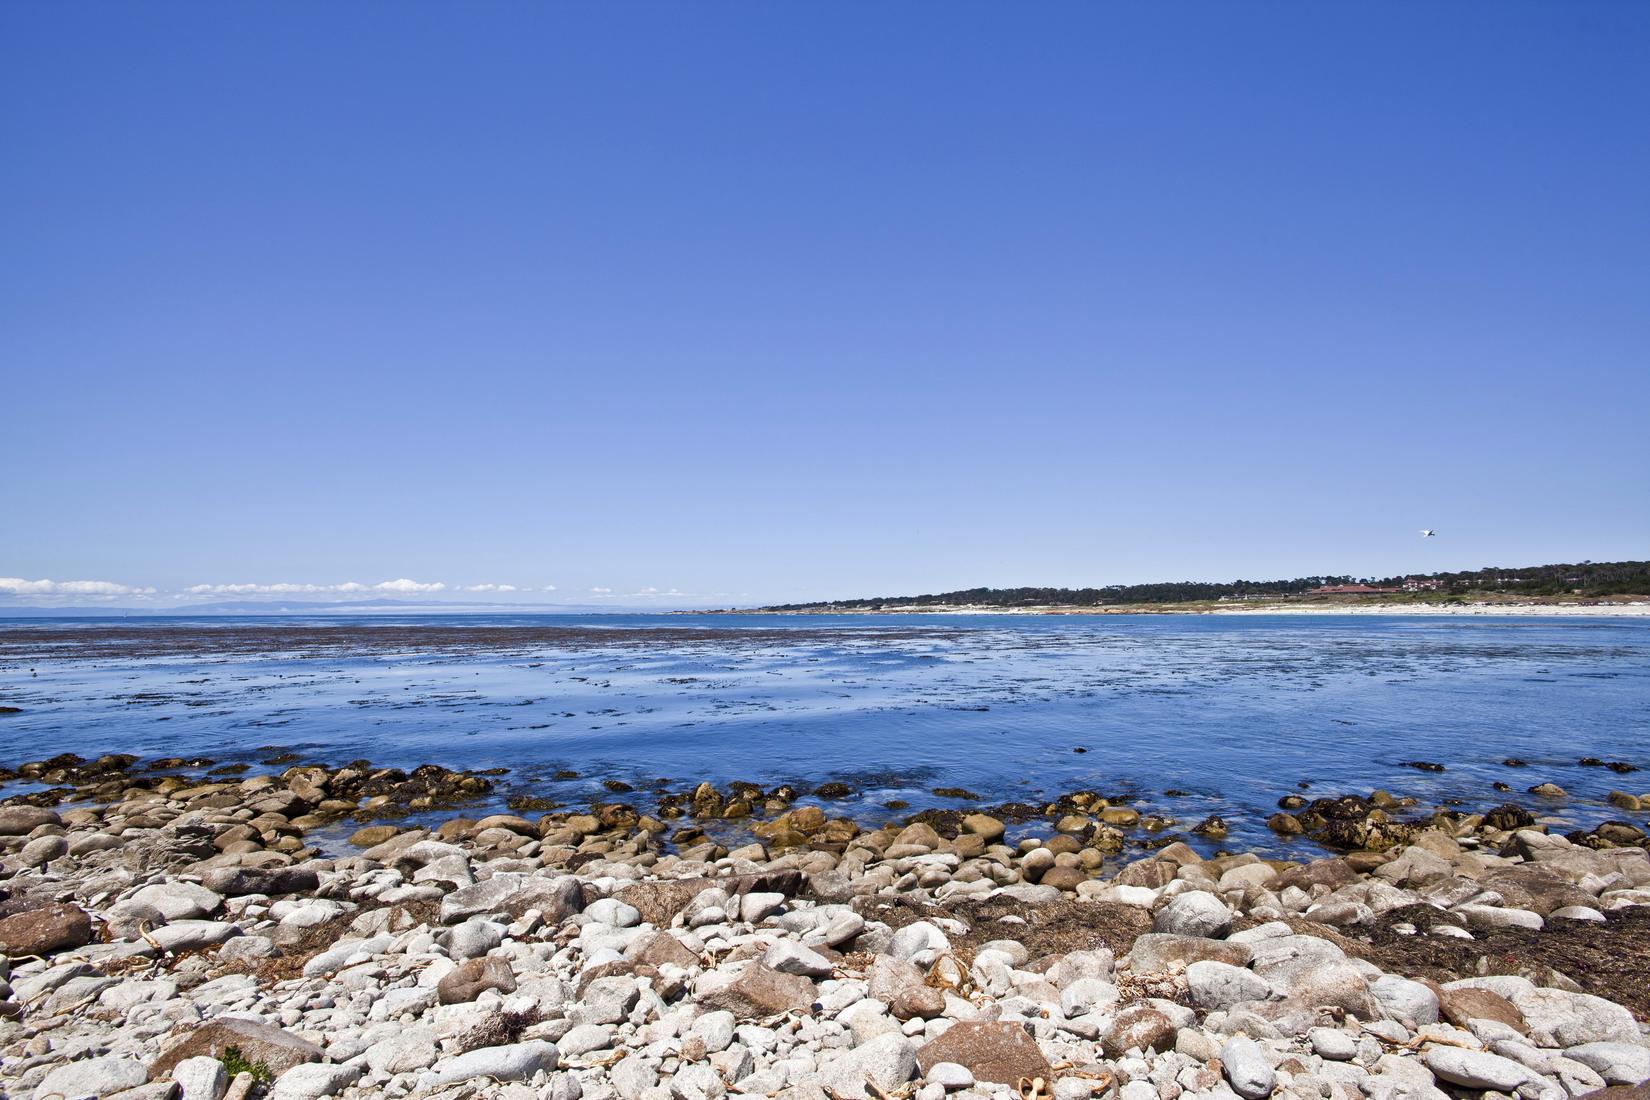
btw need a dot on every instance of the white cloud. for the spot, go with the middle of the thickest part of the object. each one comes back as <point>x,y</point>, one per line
<point>488,588</point>
<point>17,586</point>
<point>404,585</point>
<point>400,586</point>
<point>648,593</point>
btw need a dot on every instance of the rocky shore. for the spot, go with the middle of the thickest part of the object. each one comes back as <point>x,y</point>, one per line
<point>203,937</point>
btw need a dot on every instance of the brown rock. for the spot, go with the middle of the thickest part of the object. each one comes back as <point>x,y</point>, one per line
<point>1151,873</point>
<point>473,977</point>
<point>659,949</point>
<point>1138,1027</point>
<point>659,902</point>
<point>1460,1005</point>
<point>1063,878</point>
<point>42,931</point>
<point>1285,824</point>
<point>889,977</point>
<point>1156,951</point>
<point>372,835</point>
<point>1333,873</point>
<point>279,1050</point>
<point>23,820</point>
<point>902,987</point>
<point>1537,889</point>
<point>761,991</point>
<point>920,834</point>
<point>1618,1092</point>
<point>922,1002</point>
<point>999,1052</point>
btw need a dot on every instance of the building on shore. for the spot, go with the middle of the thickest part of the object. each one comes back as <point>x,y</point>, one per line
<point>1352,590</point>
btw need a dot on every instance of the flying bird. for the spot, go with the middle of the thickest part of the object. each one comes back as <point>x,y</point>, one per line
<point>1427,534</point>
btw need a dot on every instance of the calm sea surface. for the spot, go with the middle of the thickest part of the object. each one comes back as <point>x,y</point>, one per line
<point>1236,711</point>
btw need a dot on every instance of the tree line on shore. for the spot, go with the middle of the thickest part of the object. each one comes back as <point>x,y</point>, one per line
<point>1585,579</point>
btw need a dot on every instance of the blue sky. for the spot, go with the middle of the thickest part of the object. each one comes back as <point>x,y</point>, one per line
<point>677,303</point>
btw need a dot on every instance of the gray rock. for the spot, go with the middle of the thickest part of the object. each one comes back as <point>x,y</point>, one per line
<point>1559,1018</point>
<point>1476,1069</point>
<point>1495,916</point>
<point>614,912</point>
<point>513,893</point>
<point>585,1038</point>
<point>42,850</point>
<point>716,1030</point>
<point>1216,986</point>
<point>950,1076</point>
<point>239,881</point>
<point>92,1077</point>
<point>1246,1068</point>
<point>474,938</point>
<point>1194,913</point>
<point>757,907</point>
<point>1402,999</point>
<point>515,1062</point>
<point>201,1078</point>
<point>1617,1063</point>
<point>606,1001</point>
<point>632,1075</point>
<point>697,1082</point>
<point>184,935</point>
<point>336,956</point>
<point>1402,1078</point>
<point>888,1060</point>
<point>23,820</point>
<point>407,1051</point>
<point>1333,1043</point>
<point>919,943</point>
<point>177,900</point>
<point>790,957</point>
<point>314,1080</point>
<point>1088,995</point>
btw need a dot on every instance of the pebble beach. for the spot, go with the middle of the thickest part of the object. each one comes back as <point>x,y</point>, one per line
<point>169,936</point>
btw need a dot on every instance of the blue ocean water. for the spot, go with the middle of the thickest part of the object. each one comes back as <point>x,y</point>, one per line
<point>1233,710</point>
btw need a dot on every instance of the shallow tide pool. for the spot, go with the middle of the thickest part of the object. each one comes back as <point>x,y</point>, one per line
<point>1234,711</point>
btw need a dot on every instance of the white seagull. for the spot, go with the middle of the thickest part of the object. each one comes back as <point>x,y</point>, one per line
<point>1427,534</point>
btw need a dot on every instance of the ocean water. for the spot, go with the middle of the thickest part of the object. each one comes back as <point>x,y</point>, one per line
<point>1233,711</point>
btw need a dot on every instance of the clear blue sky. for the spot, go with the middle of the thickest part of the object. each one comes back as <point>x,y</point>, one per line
<point>780,301</point>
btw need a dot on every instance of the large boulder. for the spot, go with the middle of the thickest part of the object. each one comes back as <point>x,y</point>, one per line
<point>1194,913</point>
<point>23,820</point>
<point>999,1052</point>
<point>90,1077</point>
<point>1558,1018</point>
<point>1157,951</point>
<point>513,1062</point>
<point>513,893</point>
<point>759,991</point>
<point>473,977</point>
<point>888,1061</point>
<point>257,1042</point>
<point>237,881</point>
<point>44,931</point>
<point>1138,1027</point>
<point>1463,1003</point>
<point>313,1081</point>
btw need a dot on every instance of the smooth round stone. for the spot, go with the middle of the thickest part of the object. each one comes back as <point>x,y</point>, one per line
<point>951,1075</point>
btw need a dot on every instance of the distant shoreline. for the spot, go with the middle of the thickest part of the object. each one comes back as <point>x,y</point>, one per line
<point>1631,609</point>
